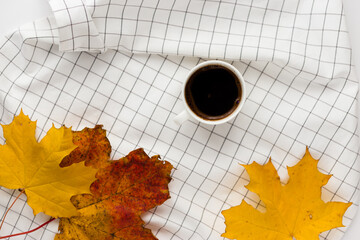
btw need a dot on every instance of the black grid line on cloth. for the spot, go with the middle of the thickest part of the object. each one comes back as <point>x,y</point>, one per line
<point>128,99</point>
<point>151,26</point>
<point>73,18</point>
<point>277,30</point>
<point>329,105</point>
<point>106,20</point>
<point>281,99</point>
<point>182,186</point>
<point>15,229</point>
<point>88,29</point>
<point>94,4</point>
<point>245,28</point>
<point>198,26</point>
<point>57,99</point>
<point>19,216</point>
<point>213,30</point>
<point>138,145</point>
<point>190,130</point>
<point>82,116</point>
<point>182,28</point>
<point>122,27</point>
<point>10,63</point>
<point>35,77</point>
<point>230,25</point>
<point>71,25</point>
<point>223,18</point>
<point>202,216</point>
<point>351,167</point>
<point>284,26</point>
<point>167,26</point>
<point>263,36</point>
<point>175,167</point>
<point>232,188</point>
<point>27,65</point>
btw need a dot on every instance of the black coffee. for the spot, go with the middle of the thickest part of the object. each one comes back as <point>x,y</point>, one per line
<point>213,92</point>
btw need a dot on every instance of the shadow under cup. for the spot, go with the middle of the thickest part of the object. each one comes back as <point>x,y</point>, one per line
<point>213,92</point>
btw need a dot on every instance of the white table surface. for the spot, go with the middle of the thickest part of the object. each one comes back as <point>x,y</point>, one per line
<point>14,13</point>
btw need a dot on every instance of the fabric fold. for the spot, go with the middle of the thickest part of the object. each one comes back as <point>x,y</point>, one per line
<point>296,61</point>
<point>77,31</point>
<point>296,34</point>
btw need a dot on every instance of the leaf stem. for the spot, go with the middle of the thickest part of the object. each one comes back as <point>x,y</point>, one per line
<point>2,221</point>
<point>33,230</point>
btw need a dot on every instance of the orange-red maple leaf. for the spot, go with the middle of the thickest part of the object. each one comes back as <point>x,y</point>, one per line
<point>93,148</point>
<point>124,189</point>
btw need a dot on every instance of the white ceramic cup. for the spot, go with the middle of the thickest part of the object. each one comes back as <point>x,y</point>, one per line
<point>188,112</point>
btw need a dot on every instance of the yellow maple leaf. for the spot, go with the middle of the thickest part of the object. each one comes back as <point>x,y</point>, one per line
<point>293,211</point>
<point>34,166</point>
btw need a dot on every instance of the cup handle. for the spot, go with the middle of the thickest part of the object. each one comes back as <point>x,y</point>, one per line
<point>181,117</point>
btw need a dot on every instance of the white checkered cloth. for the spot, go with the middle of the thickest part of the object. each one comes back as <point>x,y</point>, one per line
<point>121,63</point>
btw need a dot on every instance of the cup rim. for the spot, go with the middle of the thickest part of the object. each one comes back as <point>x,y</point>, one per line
<point>242,85</point>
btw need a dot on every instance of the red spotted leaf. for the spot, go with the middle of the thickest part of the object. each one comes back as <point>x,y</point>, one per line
<point>124,189</point>
<point>93,148</point>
